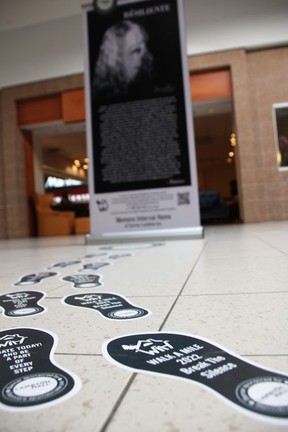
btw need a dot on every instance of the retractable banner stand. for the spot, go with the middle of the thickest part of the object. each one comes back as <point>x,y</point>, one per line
<point>142,169</point>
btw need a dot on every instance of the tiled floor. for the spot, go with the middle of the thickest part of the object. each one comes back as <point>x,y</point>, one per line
<point>230,287</point>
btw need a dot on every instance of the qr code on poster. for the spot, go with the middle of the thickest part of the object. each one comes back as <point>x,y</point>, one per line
<point>183,198</point>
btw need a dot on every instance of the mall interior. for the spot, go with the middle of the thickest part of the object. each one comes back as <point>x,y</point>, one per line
<point>59,371</point>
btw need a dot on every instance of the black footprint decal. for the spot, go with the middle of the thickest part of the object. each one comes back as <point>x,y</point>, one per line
<point>21,303</point>
<point>118,256</point>
<point>64,264</point>
<point>250,387</point>
<point>94,266</point>
<point>29,378</point>
<point>110,305</point>
<point>94,255</point>
<point>34,278</point>
<point>84,281</point>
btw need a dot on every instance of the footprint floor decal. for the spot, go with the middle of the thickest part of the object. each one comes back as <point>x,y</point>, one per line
<point>64,264</point>
<point>94,266</point>
<point>84,281</point>
<point>249,387</point>
<point>21,303</point>
<point>118,256</point>
<point>110,305</point>
<point>34,278</point>
<point>29,377</point>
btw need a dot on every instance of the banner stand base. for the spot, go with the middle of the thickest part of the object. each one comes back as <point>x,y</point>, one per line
<point>136,236</point>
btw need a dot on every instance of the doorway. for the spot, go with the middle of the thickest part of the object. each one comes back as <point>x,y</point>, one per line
<point>61,165</point>
<point>216,146</point>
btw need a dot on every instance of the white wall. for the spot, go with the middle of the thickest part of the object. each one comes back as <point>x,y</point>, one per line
<point>42,39</point>
<point>46,50</point>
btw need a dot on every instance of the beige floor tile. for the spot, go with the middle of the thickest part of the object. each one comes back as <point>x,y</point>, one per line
<point>216,276</point>
<point>230,287</point>
<point>86,411</point>
<point>245,323</point>
<point>169,404</point>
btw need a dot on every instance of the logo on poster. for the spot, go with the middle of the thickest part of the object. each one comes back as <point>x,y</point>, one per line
<point>17,295</point>
<point>266,394</point>
<point>104,6</point>
<point>102,205</point>
<point>149,346</point>
<point>25,311</point>
<point>89,297</point>
<point>126,313</point>
<point>35,387</point>
<point>11,340</point>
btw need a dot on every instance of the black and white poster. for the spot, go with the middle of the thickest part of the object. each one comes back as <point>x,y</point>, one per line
<point>142,171</point>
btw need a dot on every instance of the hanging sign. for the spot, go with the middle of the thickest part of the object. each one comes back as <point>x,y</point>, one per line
<point>142,169</point>
<point>250,387</point>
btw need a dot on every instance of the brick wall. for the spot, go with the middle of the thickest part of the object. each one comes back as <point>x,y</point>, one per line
<point>259,79</point>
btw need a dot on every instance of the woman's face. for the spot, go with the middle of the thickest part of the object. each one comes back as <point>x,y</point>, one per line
<point>134,49</point>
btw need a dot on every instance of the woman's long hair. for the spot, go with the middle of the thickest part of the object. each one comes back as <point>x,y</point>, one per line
<point>110,80</point>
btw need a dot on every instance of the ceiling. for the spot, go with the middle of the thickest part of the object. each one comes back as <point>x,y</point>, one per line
<point>15,15</point>
<point>42,39</point>
<point>264,19</point>
<point>67,140</point>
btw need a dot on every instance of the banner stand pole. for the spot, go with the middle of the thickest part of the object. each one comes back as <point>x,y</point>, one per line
<point>136,236</point>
